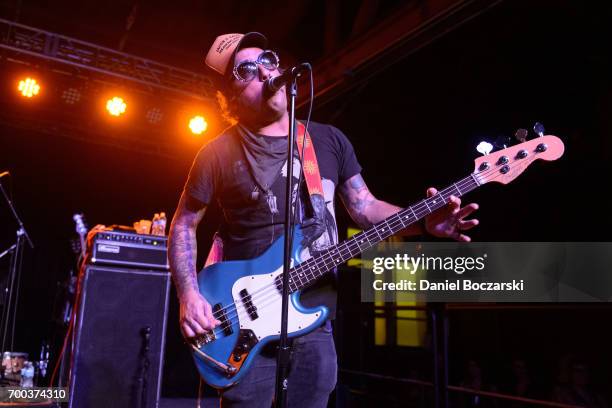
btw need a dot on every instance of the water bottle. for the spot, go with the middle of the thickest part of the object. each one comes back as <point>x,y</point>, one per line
<point>155,225</point>
<point>162,224</point>
<point>27,375</point>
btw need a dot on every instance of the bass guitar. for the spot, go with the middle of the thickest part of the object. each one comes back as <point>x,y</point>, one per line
<point>246,295</point>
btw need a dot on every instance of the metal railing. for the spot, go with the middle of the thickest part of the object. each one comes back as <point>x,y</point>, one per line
<point>22,39</point>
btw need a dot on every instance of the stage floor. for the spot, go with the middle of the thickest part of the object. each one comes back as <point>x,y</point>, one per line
<point>188,403</point>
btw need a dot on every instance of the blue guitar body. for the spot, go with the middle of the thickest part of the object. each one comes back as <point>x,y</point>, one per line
<point>246,298</point>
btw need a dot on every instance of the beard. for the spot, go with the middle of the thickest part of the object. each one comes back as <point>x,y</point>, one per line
<point>264,110</point>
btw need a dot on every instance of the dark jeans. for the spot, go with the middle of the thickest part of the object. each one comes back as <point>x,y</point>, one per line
<point>312,374</point>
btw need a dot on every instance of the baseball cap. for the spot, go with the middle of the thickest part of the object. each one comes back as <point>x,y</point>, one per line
<point>225,46</point>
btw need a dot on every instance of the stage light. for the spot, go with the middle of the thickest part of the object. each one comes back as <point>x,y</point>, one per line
<point>29,87</point>
<point>71,96</point>
<point>154,115</point>
<point>116,106</point>
<point>198,125</point>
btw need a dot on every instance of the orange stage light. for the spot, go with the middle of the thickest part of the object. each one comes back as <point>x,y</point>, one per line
<point>198,125</point>
<point>116,106</point>
<point>29,87</point>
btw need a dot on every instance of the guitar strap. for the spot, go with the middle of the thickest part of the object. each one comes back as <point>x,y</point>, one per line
<point>309,161</point>
<point>312,176</point>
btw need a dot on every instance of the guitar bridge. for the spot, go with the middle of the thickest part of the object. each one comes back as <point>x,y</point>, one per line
<point>203,339</point>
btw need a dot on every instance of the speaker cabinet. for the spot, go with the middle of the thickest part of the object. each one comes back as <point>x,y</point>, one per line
<point>119,338</point>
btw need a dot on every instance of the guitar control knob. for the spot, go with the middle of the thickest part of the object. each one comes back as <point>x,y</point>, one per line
<point>483,166</point>
<point>522,154</point>
<point>237,357</point>
<point>504,169</point>
<point>541,148</point>
<point>502,160</point>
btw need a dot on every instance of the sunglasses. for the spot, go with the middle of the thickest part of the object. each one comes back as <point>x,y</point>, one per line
<point>246,70</point>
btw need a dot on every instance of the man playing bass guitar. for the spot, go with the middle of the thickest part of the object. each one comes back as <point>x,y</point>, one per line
<point>245,171</point>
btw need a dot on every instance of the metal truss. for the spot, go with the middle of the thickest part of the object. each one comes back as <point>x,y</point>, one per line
<point>25,40</point>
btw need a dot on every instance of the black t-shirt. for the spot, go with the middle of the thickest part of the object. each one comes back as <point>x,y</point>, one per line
<point>252,219</point>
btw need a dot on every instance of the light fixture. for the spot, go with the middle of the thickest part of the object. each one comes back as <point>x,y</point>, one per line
<point>116,106</point>
<point>29,87</point>
<point>198,125</point>
<point>71,96</point>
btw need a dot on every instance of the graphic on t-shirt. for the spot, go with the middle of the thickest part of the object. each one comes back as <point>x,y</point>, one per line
<point>330,235</point>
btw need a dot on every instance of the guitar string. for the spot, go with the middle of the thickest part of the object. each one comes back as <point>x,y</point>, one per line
<point>270,289</point>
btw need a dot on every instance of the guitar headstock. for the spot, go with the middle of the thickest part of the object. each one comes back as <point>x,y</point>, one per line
<point>505,165</point>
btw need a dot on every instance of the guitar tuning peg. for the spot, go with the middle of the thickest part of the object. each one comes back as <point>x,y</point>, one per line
<point>484,148</point>
<point>538,128</point>
<point>502,142</point>
<point>521,135</point>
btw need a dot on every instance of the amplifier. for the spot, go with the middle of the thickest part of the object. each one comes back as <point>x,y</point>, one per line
<point>130,249</point>
<point>120,335</point>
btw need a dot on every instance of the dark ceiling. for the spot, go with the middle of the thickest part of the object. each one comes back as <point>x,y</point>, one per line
<point>179,33</point>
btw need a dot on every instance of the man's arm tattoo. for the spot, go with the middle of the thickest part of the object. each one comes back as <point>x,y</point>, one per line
<point>358,200</point>
<point>183,246</point>
<point>182,254</point>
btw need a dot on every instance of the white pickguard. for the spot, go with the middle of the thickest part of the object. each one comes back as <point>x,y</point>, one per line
<point>268,301</point>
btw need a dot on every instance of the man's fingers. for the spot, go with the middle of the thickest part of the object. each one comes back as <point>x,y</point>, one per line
<point>203,322</point>
<point>187,332</point>
<point>195,326</point>
<point>467,224</point>
<point>461,237</point>
<point>454,202</point>
<point>209,315</point>
<point>467,210</point>
<point>207,321</point>
<point>431,192</point>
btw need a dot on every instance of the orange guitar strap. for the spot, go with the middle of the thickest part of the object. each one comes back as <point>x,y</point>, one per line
<point>309,161</point>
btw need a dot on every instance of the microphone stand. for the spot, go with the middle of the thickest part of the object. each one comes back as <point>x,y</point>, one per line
<point>14,276</point>
<point>21,227</point>
<point>282,366</point>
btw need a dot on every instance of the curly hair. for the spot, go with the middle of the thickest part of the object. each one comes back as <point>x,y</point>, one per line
<point>227,113</point>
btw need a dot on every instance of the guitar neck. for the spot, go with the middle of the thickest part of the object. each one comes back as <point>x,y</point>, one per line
<point>306,273</point>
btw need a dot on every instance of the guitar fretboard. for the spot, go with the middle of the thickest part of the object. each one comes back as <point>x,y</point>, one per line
<point>306,273</point>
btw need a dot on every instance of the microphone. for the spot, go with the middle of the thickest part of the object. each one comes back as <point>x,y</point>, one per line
<point>274,84</point>
<point>4,173</point>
